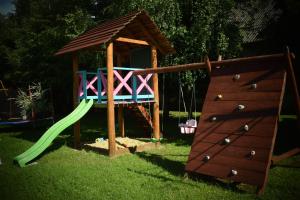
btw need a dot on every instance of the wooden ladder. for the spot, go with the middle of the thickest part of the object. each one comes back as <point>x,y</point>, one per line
<point>142,115</point>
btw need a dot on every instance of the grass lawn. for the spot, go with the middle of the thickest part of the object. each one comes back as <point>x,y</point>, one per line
<point>64,173</point>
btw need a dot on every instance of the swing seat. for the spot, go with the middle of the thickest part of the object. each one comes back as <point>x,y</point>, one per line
<point>189,127</point>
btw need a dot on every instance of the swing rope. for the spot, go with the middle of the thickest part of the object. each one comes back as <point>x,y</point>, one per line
<point>193,99</point>
<point>180,95</point>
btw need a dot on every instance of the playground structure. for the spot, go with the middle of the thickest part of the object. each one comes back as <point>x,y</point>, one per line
<point>121,38</point>
<point>132,40</point>
<point>235,136</point>
<point>236,133</point>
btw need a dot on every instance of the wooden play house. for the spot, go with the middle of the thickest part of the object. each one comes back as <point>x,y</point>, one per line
<point>113,84</point>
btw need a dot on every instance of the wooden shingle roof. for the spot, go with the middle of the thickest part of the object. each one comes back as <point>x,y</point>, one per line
<point>137,25</point>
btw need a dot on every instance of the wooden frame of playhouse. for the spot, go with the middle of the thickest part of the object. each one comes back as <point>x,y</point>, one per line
<point>212,153</point>
<point>119,36</point>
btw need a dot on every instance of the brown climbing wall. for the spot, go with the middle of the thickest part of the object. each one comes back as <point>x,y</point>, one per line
<point>236,133</point>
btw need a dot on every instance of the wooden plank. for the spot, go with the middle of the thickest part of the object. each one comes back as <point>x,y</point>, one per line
<point>76,127</point>
<point>285,155</point>
<point>292,78</point>
<point>132,41</point>
<point>121,120</point>
<point>261,189</point>
<point>110,101</point>
<point>249,76</point>
<point>249,67</point>
<point>243,96</point>
<point>272,85</point>
<point>258,126</point>
<point>218,158</point>
<point>208,65</point>
<point>228,151</point>
<point>220,171</point>
<point>196,66</point>
<point>156,128</point>
<point>231,107</point>
<point>235,140</point>
<point>121,107</point>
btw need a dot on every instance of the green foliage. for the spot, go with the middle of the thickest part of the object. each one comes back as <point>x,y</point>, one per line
<point>39,28</point>
<point>33,101</point>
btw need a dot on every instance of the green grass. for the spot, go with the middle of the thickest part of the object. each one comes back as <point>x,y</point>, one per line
<point>64,173</point>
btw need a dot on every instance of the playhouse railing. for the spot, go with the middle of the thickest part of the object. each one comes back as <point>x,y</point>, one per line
<point>127,87</point>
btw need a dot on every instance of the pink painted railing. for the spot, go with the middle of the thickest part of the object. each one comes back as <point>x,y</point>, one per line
<point>126,86</point>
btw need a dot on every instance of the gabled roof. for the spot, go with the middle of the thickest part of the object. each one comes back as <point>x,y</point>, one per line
<point>137,25</point>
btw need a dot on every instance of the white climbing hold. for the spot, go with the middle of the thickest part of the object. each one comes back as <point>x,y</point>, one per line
<point>219,96</point>
<point>237,77</point>
<point>241,107</point>
<point>214,119</point>
<point>252,153</point>
<point>254,86</point>
<point>227,140</point>
<point>246,127</point>
<point>234,172</point>
<point>207,157</point>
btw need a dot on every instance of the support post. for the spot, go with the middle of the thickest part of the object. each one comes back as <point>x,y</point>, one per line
<point>76,127</point>
<point>156,129</point>
<point>120,109</point>
<point>292,79</point>
<point>208,65</point>
<point>110,101</point>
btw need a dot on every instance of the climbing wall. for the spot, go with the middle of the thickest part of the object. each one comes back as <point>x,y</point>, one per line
<point>236,133</point>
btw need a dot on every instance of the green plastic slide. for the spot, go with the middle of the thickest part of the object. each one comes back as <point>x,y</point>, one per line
<point>53,132</point>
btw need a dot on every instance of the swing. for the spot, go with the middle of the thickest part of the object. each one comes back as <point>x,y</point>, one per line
<point>190,125</point>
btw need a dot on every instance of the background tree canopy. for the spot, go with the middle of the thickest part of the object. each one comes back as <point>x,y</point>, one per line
<point>31,35</point>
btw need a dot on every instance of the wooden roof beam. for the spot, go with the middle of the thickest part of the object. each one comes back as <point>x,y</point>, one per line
<point>132,41</point>
<point>149,36</point>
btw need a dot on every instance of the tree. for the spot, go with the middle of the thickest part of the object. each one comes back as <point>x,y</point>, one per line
<point>33,34</point>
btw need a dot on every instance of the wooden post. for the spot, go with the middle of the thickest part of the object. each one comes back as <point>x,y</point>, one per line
<point>110,101</point>
<point>120,110</point>
<point>293,82</point>
<point>156,129</point>
<point>75,99</point>
<point>208,65</point>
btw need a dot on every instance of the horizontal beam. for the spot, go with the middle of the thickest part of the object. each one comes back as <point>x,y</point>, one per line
<point>133,41</point>
<point>195,66</point>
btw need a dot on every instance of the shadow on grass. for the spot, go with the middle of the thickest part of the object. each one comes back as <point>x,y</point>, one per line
<point>177,168</point>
